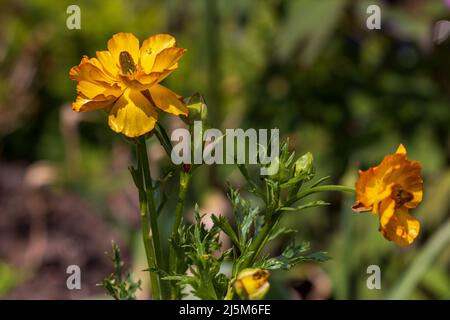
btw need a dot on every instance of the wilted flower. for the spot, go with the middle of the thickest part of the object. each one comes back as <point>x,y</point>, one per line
<point>252,284</point>
<point>124,81</point>
<point>392,188</point>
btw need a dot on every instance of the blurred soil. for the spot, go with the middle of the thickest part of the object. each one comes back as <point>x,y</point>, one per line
<point>43,231</point>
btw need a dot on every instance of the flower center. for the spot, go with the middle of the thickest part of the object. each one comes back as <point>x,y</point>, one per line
<point>401,196</point>
<point>127,63</point>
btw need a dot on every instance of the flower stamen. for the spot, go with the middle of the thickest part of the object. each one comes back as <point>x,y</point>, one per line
<point>401,196</point>
<point>127,63</point>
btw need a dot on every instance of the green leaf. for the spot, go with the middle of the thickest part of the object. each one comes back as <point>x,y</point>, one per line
<point>291,256</point>
<point>225,226</point>
<point>316,183</point>
<point>163,138</point>
<point>245,216</point>
<point>137,179</point>
<point>118,286</point>
<point>279,232</point>
<point>198,248</point>
<point>306,206</point>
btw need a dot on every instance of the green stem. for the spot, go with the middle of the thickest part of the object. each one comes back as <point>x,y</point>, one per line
<point>307,192</point>
<point>261,240</point>
<point>256,246</point>
<point>173,259</point>
<point>148,245</point>
<point>230,291</point>
<point>149,251</point>
<point>153,231</point>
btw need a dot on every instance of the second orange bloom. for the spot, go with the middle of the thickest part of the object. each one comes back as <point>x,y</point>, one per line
<point>391,189</point>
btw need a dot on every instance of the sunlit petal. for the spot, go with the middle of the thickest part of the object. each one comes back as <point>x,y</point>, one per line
<point>132,115</point>
<point>167,100</point>
<point>151,47</point>
<point>124,42</point>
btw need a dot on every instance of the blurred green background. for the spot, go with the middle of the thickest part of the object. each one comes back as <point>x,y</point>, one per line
<point>311,68</point>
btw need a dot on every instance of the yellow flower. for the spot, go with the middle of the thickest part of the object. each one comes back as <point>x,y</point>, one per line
<point>124,81</point>
<point>252,284</point>
<point>392,188</point>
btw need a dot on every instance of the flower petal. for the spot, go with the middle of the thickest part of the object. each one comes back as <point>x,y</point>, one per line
<point>92,90</point>
<point>370,190</point>
<point>408,175</point>
<point>141,81</point>
<point>397,169</point>
<point>108,64</point>
<point>167,100</point>
<point>167,58</point>
<point>152,46</point>
<point>401,149</point>
<point>167,72</point>
<point>83,104</point>
<point>132,115</point>
<point>397,225</point>
<point>358,206</point>
<point>90,70</point>
<point>124,42</point>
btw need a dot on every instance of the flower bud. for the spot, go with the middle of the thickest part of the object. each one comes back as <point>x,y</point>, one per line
<point>252,284</point>
<point>304,165</point>
<point>198,110</point>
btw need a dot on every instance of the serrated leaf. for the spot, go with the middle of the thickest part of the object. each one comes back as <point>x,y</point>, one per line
<point>198,246</point>
<point>118,286</point>
<point>245,217</point>
<point>292,255</point>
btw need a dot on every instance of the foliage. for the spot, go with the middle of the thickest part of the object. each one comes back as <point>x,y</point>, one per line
<point>200,246</point>
<point>253,228</point>
<point>118,285</point>
<point>345,93</point>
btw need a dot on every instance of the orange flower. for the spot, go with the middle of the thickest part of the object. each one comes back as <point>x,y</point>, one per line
<point>124,81</point>
<point>392,188</point>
